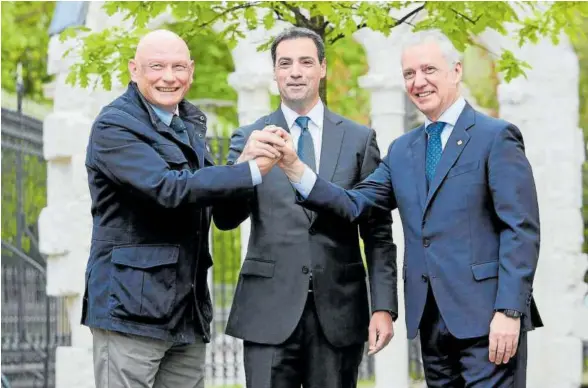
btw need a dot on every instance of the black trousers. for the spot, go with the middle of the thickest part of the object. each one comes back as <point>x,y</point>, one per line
<point>451,362</point>
<point>306,359</point>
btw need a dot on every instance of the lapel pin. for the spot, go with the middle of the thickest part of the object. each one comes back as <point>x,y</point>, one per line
<point>459,142</point>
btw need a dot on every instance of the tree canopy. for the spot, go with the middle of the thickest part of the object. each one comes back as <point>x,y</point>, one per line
<point>107,51</point>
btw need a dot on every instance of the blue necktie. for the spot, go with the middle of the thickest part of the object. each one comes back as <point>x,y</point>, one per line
<point>434,148</point>
<point>305,143</point>
<point>180,128</point>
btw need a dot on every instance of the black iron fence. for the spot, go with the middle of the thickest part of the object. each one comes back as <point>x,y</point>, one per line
<point>33,324</point>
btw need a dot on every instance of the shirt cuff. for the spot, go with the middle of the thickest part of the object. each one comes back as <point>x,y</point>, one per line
<point>255,173</point>
<point>306,184</point>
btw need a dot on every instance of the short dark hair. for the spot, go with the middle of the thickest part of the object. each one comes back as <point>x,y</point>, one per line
<point>297,33</point>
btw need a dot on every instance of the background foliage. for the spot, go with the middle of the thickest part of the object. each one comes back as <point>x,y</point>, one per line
<point>25,40</point>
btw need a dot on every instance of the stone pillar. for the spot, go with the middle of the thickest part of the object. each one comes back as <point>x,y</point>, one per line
<point>545,108</point>
<point>384,81</point>
<point>65,225</point>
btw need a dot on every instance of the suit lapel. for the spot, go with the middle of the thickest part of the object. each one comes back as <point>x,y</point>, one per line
<point>418,149</point>
<point>455,145</point>
<point>277,118</point>
<point>332,140</point>
<point>199,146</point>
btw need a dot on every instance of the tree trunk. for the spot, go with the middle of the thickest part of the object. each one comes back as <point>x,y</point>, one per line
<point>323,90</point>
<point>317,24</point>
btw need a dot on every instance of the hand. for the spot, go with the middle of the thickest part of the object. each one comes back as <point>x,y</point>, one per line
<point>261,144</point>
<point>504,338</point>
<point>265,164</point>
<point>289,155</point>
<point>381,331</point>
<point>289,163</point>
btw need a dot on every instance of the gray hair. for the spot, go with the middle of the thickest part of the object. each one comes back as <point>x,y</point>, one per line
<point>296,33</point>
<point>434,36</point>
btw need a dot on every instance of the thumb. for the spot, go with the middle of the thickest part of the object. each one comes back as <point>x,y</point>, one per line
<point>373,336</point>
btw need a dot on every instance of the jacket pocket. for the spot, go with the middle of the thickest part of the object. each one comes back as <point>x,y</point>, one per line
<point>171,154</point>
<point>143,282</point>
<point>485,270</point>
<point>258,267</point>
<point>354,271</point>
<point>463,168</point>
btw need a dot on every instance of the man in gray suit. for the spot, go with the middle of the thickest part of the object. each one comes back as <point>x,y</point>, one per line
<point>301,303</point>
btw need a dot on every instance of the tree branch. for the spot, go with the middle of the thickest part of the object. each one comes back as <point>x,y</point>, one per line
<point>300,18</point>
<point>396,23</point>
<point>278,14</point>
<point>342,35</point>
<point>227,11</point>
<point>466,17</point>
<point>412,13</point>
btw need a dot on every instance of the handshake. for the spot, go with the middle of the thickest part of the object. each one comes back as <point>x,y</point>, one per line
<point>270,146</point>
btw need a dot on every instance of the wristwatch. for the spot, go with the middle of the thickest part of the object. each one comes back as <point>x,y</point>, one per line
<point>510,313</point>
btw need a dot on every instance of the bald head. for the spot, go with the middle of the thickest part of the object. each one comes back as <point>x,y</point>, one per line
<point>162,68</point>
<point>160,41</point>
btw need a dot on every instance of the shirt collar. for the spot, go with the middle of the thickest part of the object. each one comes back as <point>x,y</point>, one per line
<point>165,116</point>
<point>316,114</point>
<point>451,114</point>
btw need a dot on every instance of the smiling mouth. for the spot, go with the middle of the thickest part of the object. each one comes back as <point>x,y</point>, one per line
<point>167,90</point>
<point>296,85</point>
<point>424,94</point>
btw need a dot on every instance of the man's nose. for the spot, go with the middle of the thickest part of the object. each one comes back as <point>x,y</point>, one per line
<point>168,74</point>
<point>420,79</point>
<point>296,71</point>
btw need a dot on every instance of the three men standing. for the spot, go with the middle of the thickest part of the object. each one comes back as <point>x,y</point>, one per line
<point>461,182</point>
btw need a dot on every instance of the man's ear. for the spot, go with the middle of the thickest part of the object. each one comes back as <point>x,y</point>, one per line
<point>133,70</point>
<point>458,69</point>
<point>324,68</point>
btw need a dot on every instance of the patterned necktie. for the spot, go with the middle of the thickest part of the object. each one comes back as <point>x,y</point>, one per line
<point>305,143</point>
<point>180,128</point>
<point>434,148</point>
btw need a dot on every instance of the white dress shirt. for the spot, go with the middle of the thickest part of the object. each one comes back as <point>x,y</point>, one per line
<point>449,117</point>
<point>315,127</point>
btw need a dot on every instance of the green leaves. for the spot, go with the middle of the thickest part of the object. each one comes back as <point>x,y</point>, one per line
<point>510,66</point>
<point>25,40</point>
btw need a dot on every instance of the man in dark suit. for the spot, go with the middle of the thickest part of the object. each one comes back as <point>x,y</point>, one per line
<point>301,302</point>
<point>467,199</point>
<point>152,184</point>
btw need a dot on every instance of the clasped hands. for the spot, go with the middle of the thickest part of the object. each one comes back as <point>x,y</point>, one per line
<point>270,146</point>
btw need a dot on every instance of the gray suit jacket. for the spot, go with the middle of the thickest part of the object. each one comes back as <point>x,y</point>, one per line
<point>288,242</point>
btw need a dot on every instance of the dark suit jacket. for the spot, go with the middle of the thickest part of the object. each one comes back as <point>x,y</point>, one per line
<point>473,236</point>
<point>286,243</point>
<point>151,199</point>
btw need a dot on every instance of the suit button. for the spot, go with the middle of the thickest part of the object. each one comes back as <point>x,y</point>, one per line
<point>305,270</point>
<point>426,242</point>
<point>424,278</point>
<point>312,231</point>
